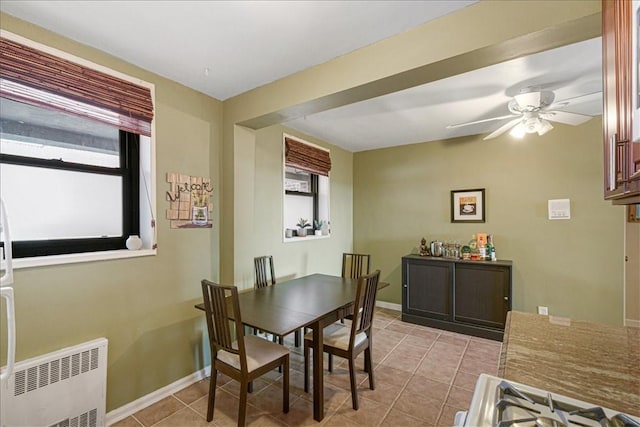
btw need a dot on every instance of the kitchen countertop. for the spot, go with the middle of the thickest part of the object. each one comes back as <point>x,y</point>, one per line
<point>592,362</point>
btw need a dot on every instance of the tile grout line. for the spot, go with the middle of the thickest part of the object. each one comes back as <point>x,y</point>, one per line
<point>174,412</point>
<point>466,347</point>
<point>404,387</point>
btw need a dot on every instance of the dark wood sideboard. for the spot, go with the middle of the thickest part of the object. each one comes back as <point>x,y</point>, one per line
<point>469,297</point>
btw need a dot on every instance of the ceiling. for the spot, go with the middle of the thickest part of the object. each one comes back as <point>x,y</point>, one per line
<point>224,48</point>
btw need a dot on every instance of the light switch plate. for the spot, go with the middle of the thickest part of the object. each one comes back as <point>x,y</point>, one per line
<point>559,209</point>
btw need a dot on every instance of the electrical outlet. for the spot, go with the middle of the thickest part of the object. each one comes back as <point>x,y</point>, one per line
<point>543,310</point>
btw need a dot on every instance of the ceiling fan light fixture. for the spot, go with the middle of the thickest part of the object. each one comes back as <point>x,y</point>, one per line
<point>518,131</point>
<point>545,127</point>
<point>532,124</point>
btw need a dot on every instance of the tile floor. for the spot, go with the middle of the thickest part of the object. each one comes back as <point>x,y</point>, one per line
<point>423,377</point>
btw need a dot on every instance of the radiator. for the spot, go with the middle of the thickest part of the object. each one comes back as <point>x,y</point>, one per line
<point>65,388</point>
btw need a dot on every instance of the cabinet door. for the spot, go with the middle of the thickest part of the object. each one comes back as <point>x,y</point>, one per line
<point>428,289</point>
<point>619,153</point>
<point>482,294</point>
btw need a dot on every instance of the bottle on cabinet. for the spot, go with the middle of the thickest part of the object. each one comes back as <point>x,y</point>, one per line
<point>483,252</point>
<point>490,249</point>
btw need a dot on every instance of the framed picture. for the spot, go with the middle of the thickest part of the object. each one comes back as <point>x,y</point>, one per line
<point>467,205</point>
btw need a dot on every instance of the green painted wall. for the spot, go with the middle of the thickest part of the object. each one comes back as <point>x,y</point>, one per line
<point>482,34</point>
<point>575,267</point>
<point>144,306</point>
<point>264,217</point>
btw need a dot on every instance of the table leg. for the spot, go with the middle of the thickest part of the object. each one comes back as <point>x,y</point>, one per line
<point>318,377</point>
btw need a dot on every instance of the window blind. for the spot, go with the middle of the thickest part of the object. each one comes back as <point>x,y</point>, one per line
<point>38,78</point>
<point>306,157</point>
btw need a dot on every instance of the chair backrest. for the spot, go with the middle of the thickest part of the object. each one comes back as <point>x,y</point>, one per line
<point>355,265</point>
<point>265,275</point>
<point>365,303</point>
<point>222,309</point>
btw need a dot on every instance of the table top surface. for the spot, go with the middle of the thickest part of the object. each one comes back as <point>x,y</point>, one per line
<point>589,361</point>
<point>288,306</point>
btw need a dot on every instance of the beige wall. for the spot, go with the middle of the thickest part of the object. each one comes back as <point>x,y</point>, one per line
<point>144,306</point>
<point>261,216</point>
<point>482,34</point>
<point>575,267</point>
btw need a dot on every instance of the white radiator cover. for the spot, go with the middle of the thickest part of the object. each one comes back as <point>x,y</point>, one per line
<point>64,388</point>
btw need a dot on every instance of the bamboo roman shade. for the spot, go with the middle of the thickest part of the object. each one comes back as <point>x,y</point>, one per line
<point>307,157</point>
<point>38,78</point>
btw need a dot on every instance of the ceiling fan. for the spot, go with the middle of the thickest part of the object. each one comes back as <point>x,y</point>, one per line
<point>531,113</point>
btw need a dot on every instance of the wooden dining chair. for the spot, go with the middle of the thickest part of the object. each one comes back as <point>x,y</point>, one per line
<point>349,341</point>
<point>244,358</point>
<point>265,276</point>
<point>355,265</point>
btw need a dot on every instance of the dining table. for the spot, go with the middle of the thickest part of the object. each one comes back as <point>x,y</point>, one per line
<point>313,301</point>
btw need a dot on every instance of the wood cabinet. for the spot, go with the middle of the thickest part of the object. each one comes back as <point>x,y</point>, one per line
<point>470,297</point>
<point>621,148</point>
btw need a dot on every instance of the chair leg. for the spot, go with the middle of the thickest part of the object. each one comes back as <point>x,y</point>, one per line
<point>352,379</point>
<point>242,407</point>
<point>212,394</point>
<point>306,367</point>
<point>250,387</point>
<point>330,362</point>
<point>369,367</point>
<point>296,338</point>
<point>367,360</point>
<point>285,386</point>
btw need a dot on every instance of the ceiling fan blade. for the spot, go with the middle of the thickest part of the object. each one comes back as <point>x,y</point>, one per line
<point>565,117</point>
<point>482,121</point>
<point>589,97</point>
<point>502,129</point>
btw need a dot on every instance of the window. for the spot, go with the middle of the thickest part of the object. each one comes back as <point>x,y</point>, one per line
<point>306,190</point>
<point>69,183</point>
<point>76,156</point>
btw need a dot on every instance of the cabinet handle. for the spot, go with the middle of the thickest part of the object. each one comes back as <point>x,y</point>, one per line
<point>612,162</point>
<point>506,298</point>
<point>405,285</point>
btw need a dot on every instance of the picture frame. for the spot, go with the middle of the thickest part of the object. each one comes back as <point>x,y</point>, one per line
<point>468,205</point>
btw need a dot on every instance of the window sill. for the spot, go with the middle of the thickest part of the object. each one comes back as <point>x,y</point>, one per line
<point>83,257</point>
<point>304,239</point>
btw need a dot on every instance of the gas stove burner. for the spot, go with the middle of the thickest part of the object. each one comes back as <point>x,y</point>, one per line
<point>537,422</point>
<point>623,420</point>
<point>508,388</point>
<point>596,413</point>
<point>500,403</point>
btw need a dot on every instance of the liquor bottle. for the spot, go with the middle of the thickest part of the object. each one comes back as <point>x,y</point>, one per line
<point>473,246</point>
<point>491,249</point>
<point>473,243</point>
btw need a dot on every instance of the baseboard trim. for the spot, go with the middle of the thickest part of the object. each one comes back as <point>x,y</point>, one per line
<point>131,408</point>
<point>632,323</point>
<point>389,305</point>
